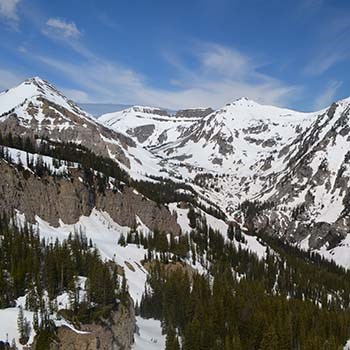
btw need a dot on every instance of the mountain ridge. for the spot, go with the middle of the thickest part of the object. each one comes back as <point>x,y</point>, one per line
<point>248,151</point>
<point>220,200</point>
<point>244,151</point>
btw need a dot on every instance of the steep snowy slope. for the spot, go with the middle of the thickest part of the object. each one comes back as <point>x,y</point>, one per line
<point>298,162</point>
<point>37,103</point>
<point>295,164</point>
<point>237,136</point>
<point>36,108</point>
<point>314,184</point>
<point>152,126</point>
<point>317,163</point>
<point>239,143</point>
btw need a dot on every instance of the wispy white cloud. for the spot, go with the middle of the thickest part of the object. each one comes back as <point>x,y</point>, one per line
<point>222,60</point>
<point>328,95</point>
<point>8,12</point>
<point>332,46</point>
<point>76,95</point>
<point>61,29</point>
<point>325,61</point>
<point>221,76</point>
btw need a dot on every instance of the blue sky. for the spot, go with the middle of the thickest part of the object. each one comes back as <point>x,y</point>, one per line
<point>183,53</point>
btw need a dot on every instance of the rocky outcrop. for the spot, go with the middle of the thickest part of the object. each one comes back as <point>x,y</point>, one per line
<point>125,206</point>
<point>193,113</point>
<point>67,198</point>
<point>150,110</point>
<point>73,128</point>
<point>142,132</point>
<point>114,333</point>
<point>295,229</point>
<point>40,111</point>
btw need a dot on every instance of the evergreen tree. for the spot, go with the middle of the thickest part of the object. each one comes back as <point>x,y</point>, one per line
<point>269,340</point>
<point>121,240</point>
<point>23,327</point>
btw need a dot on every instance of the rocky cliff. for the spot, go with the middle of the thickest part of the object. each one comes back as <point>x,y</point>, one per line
<point>114,333</point>
<point>66,198</point>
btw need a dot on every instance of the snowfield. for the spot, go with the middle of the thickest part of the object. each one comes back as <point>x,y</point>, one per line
<point>8,325</point>
<point>243,151</point>
<point>148,335</point>
<point>105,233</point>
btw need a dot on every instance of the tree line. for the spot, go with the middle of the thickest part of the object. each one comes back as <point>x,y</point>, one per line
<point>290,299</point>
<point>42,269</point>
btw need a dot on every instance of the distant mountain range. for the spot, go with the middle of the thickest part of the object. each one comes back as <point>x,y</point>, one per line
<point>297,162</point>
<point>258,188</point>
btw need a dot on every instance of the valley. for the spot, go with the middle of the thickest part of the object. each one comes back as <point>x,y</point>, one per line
<point>200,208</point>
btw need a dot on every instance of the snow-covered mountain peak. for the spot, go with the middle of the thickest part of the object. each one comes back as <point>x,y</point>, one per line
<point>244,101</point>
<point>149,125</point>
<point>31,93</point>
<point>36,81</point>
<point>243,151</point>
<point>39,87</point>
<point>345,102</point>
<point>35,108</point>
<point>246,109</point>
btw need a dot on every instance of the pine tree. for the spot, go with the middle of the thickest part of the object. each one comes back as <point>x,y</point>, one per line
<point>23,327</point>
<point>237,345</point>
<point>14,345</point>
<point>20,322</point>
<point>192,218</point>
<point>172,341</point>
<point>230,232</point>
<point>122,240</point>
<point>192,336</point>
<point>269,340</point>
<point>35,321</point>
<point>124,289</point>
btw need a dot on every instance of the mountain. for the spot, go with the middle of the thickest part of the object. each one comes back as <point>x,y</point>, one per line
<point>297,162</point>
<point>36,108</point>
<point>151,126</point>
<point>148,229</point>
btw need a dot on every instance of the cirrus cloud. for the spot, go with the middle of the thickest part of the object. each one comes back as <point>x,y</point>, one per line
<point>60,28</point>
<point>8,12</point>
<point>221,75</point>
<point>328,95</point>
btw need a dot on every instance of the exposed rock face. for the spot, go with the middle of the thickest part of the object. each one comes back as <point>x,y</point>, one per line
<point>70,340</point>
<point>318,234</point>
<point>53,198</point>
<point>150,110</point>
<point>116,333</point>
<point>98,138</point>
<point>142,133</point>
<point>124,206</point>
<point>193,113</point>
<point>257,152</point>
<point>44,112</point>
